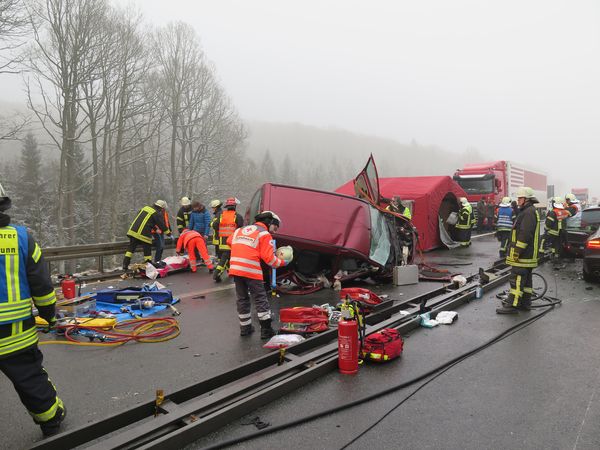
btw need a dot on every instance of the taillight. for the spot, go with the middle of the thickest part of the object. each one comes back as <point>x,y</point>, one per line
<point>593,243</point>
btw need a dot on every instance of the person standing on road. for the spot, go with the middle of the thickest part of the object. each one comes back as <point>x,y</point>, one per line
<point>24,278</point>
<point>225,225</point>
<point>216,208</point>
<point>522,253</point>
<point>481,211</point>
<point>158,236</point>
<point>200,219</point>
<point>504,224</point>
<point>574,209</point>
<point>140,231</point>
<point>250,245</point>
<point>465,223</point>
<point>553,226</point>
<point>183,215</point>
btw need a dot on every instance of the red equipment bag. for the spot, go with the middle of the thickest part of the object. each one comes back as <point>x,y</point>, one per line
<point>304,320</point>
<point>383,346</point>
<point>364,296</point>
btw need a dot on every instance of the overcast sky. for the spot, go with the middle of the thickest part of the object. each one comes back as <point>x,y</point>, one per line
<point>515,79</point>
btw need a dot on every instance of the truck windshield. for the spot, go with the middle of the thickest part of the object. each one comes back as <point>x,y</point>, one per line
<point>476,185</point>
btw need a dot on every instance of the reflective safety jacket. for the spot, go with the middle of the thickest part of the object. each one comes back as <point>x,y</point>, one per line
<point>214,232</point>
<point>506,217</point>
<point>465,218</point>
<point>554,221</point>
<point>183,218</point>
<point>404,211</point>
<point>23,278</point>
<point>574,219</point>
<point>524,242</point>
<point>225,225</point>
<point>146,220</point>
<point>250,245</point>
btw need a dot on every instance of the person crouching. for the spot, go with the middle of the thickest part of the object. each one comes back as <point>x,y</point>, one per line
<point>191,241</point>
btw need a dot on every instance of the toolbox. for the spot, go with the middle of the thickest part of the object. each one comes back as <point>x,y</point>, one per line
<point>78,306</point>
<point>408,274</point>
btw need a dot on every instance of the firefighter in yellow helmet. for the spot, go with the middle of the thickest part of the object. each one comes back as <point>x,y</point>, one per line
<point>465,223</point>
<point>183,215</point>
<point>214,235</point>
<point>24,278</point>
<point>522,253</point>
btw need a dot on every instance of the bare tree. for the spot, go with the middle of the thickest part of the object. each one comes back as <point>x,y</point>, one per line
<point>65,32</point>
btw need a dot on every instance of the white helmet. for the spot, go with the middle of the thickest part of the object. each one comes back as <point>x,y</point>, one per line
<point>464,200</point>
<point>558,202</point>
<point>215,203</point>
<point>185,201</point>
<point>268,216</point>
<point>571,198</point>
<point>506,200</point>
<point>286,253</point>
<point>161,204</point>
<point>525,192</point>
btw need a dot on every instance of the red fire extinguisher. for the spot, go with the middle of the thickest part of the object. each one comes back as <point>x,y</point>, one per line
<point>68,287</point>
<point>348,346</point>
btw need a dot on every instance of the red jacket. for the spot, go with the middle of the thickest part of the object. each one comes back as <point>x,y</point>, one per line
<point>249,245</point>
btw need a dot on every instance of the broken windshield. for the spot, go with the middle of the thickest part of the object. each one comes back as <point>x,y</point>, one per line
<point>380,238</point>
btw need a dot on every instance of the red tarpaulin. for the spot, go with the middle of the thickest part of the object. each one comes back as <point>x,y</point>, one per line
<point>428,195</point>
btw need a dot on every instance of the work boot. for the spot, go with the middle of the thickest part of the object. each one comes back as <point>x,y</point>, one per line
<point>266,331</point>
<point>52,427</point>
<point>246,330</point>
<point>506,309</point>
<point>217,275</point>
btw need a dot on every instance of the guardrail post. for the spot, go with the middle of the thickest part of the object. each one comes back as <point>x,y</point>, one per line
<point>101,264</point>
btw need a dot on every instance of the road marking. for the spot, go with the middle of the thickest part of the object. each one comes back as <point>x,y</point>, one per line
<point>587,411</point>
<point>482,235</point>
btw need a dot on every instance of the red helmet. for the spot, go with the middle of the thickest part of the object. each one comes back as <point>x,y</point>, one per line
<point>232,201</point>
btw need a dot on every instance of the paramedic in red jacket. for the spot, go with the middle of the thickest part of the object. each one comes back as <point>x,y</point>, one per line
<point>191,241</point>
<point>249,245</point>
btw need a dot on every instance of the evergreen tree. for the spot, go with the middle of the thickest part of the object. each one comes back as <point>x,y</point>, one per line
<point>288,172</point>
<point>268,171</point>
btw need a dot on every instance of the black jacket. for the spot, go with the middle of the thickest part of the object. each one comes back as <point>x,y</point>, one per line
<point>524,241</point>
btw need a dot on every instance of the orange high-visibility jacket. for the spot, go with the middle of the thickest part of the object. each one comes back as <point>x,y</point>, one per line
<point>249,245</point>
<point>186,237</point>
<point>227,225</point>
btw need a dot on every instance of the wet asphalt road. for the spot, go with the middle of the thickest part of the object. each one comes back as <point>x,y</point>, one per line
<point>535,389</point>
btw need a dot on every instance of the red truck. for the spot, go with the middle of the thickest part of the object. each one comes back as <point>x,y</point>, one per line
<point>493,180</point>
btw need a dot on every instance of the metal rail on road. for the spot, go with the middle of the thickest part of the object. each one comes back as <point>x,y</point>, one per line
<point>98,251</point>
<point>197,410</point>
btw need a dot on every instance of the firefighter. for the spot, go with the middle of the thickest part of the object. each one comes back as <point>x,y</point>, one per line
<point>522,254</point>
<point>465,223</point>
<point>504,223</point>
<point>250,245</point>
<point>227,222</point>
<point>183,215</point>
<point>553,226</point>
<point>398,207</point>
<point>574,209</point>
<point>140,231</point>
<point>214,236</point>
<point>158,236</point>
<point>191,241</point>
<point>25,278</point>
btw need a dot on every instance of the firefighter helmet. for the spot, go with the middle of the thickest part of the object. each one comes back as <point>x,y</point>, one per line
<point>185,201</point>
<point>232,201</point>
<point>464,200</point>
<point>268,218</point>
<point>215,203</point>
<point>286,253</point>
<point>571,198</point>
<point>161,204</point>
<point>506,200</point>
<point>525,192</point>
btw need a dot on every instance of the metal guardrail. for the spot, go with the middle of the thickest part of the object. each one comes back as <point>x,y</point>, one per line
<point>98,251</point>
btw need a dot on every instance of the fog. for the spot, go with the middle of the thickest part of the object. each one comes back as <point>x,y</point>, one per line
<point>513,79</point>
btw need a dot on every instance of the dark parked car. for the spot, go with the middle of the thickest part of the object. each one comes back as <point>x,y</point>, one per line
<point>576,238</point>
<point>591,257</point>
